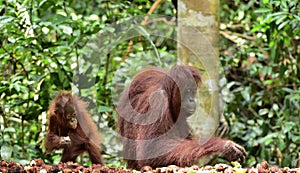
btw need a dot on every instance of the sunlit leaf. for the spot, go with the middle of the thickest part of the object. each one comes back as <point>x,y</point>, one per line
<point>5,20</point>
<point>283,24</point>
<point>263,111</point>
<point>262,10</point>
<point>9,129</point>
<point>6,152</point>
<point>246,94</point>
<point>268,139</point>
<point>265,1</point>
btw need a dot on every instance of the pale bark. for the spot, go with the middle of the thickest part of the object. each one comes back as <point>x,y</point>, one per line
<point>198,37</point>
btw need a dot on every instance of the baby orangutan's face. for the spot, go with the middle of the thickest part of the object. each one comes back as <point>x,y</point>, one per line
<point>72,121</point>
<point>71,116</point>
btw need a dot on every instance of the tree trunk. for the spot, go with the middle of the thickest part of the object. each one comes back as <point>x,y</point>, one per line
<point>198,36</point>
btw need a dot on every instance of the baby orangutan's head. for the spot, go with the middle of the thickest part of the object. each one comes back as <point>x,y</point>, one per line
<point>70,115</point>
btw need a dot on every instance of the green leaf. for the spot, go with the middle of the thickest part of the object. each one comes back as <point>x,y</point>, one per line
<point>297,17</point>
<point>288,126</point>
<point>271,114</point>
<point>288,90</point>
<point>59,19</point>
<point>46,3</point>
<point>16,87</point>
<point>279,19</point>
<point>268,82</point>
<point>262,10</point>
<point>17,78</point>
<point>265,1</point>
<point>268,139</point>
<point>263,111</point>
<point>3,89</point>
<point>267,70</point>
<point>295,138</point>
<point>251,122</point>
<point>66,29</point>
<point>275,107</point>
<point>246,93</point>
<point>281,13</point>
<point>4,20</point>
<point>9,129</point>
<point>281,143</point>
<point>283,24</point>
<point>104,109</point>
<point>260,122</point>
<point>6,152</point>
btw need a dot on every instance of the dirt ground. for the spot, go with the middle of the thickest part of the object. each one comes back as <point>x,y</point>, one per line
<point>38,166</point>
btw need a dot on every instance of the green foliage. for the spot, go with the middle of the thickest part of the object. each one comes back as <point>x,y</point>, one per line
<point>262,87</point>
<point>52,45</point>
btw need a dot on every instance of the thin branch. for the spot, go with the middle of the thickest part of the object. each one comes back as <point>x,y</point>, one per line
<point>232,36</point>
<point>144,22</point>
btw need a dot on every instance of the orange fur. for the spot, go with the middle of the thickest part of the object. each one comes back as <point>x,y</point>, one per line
<point>153,126</point>
<point>84,138</point>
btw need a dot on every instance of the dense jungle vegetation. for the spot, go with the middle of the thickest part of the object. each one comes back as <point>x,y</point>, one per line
<point>52,45</point>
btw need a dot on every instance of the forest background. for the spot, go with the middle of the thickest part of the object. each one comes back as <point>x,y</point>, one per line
<point>95,47</point>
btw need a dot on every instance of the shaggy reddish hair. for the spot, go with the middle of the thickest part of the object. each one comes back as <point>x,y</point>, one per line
<point>153,124</point>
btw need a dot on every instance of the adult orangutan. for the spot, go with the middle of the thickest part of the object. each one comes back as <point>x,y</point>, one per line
<point>71,128</point>
<point>152,120</point>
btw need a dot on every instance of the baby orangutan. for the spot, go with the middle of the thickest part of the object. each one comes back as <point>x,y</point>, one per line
<point>71,128</point>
